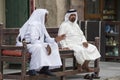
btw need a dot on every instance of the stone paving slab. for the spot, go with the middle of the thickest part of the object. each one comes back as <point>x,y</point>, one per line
<point>108,71</point>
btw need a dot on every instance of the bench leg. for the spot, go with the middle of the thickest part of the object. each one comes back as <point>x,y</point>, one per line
<point>0,76</point>
<point>74,63</point>
<point>96,65</point>
<point>63,68</point>
<point>1,70</point>
<point>62,78</point>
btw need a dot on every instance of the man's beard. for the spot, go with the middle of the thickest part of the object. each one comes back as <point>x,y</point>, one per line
<point>72,20</point>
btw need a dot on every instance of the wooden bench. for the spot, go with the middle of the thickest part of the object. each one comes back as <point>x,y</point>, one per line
<point>11,53</point>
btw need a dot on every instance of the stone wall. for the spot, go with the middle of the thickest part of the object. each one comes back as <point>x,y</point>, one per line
<point>79,6</point>
<point>62,7</point>
<point>57,9</point>
<point>51,6</point>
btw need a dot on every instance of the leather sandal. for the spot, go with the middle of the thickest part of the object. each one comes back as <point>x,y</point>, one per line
<point>95,76</point>
<point>87,76</point>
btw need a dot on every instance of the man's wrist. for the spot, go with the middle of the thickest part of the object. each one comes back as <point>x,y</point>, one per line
<point>55,40</point>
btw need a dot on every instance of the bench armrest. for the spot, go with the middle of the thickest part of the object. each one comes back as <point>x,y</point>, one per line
<point>12,47</point>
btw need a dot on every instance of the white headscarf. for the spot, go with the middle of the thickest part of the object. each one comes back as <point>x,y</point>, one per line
<point>71,11</point>
<point>38,16</point>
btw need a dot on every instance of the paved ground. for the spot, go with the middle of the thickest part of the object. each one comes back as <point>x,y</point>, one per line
<point>109,71</point>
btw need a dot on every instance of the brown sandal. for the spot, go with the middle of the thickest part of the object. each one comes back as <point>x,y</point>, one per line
<point>95,76</point>
<point>88,76</point>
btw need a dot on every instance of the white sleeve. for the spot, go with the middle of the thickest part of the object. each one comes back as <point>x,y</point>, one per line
<point>83,37</point>
<point>48,39</point>
<point>34,34</point>
<point>62,30</point>
<point>18,43</point>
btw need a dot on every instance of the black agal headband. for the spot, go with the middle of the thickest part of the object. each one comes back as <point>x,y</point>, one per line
<point>71,10</point>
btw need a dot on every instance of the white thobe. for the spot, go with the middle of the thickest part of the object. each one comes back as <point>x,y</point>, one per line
<point>39,39</point>
<point>74,39</point>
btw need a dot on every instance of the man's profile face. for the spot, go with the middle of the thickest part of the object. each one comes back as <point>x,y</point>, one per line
<point>72,17</point>
<point>45,18</point>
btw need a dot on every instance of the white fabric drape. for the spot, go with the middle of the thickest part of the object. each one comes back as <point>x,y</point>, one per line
<point>34,31</point>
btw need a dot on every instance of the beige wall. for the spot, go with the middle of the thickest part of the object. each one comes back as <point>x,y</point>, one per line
<point>79,6</point>
<point>57,9</point>
<point>51,6</point>
<point>62,7</point>
<point>2,11</point>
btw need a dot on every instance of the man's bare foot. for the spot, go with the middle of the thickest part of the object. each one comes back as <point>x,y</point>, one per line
<point>90,69</point>
<point>80,69</point>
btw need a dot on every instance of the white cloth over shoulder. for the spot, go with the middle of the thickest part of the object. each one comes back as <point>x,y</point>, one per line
<point>34,32</point>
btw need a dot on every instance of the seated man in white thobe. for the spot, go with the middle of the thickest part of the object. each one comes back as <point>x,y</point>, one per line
<point>43,49</point>
<point>75,40</point>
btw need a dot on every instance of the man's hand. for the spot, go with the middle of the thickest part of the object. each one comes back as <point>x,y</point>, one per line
<point>59,38</point>
<point>48,49</point>
<point>85,44</point>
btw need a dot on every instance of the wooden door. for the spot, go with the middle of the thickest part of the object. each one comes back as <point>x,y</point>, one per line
<point>17,12</point>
